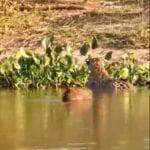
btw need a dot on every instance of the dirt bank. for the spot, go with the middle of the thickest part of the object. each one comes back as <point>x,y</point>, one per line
<point>120,26</point>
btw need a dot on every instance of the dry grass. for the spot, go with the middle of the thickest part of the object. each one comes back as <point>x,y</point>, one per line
<point>118,24</point>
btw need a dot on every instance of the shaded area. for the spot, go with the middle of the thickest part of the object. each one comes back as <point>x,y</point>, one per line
<point>96,17</point>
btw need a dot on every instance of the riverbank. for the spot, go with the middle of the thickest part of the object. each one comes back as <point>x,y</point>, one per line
<point>57,67</point>
<point>120,26</point>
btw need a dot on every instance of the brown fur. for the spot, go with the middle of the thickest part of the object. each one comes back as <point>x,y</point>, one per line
<point>100,79</point>
<point>76,94</point>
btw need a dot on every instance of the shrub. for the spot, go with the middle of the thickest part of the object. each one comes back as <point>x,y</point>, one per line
<point>56,68</point>
<point>130,70</point>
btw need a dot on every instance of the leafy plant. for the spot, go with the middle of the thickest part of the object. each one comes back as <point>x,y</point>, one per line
<point>84,49</point>
<point>56,68</point>
<point>130,71</point>
<point>91,43</point>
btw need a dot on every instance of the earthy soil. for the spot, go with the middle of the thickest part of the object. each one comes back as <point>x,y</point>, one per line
<point>120,26</point>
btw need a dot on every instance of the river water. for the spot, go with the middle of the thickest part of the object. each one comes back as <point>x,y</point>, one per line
<point>39,120</point>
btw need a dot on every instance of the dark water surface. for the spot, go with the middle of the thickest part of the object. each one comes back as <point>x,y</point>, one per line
<point>39,120</point>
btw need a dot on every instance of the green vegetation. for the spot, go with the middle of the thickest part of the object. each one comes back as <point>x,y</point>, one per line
<point>56,68</point>
<point>116,24</point>
<point>129,70</point>
<point>91,43</point>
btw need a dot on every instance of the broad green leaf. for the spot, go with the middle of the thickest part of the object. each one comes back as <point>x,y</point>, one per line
<point>36,60</point>
<point>58,49</point>
<point>47,42</point>
<point>135,78</point>
<point>69,60</point>
<point>46,61</point>
<point>94,42</point>
<point>6,68</point>
<point>84,49</point>
<point>22,53</point>
<point>2,70</point>
<point>125,56</point>
<point>124,73</point>
<point>17,66</point>
<point>68,49</point>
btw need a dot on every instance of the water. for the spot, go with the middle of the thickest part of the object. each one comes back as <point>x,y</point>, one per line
<point>39,120</point>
